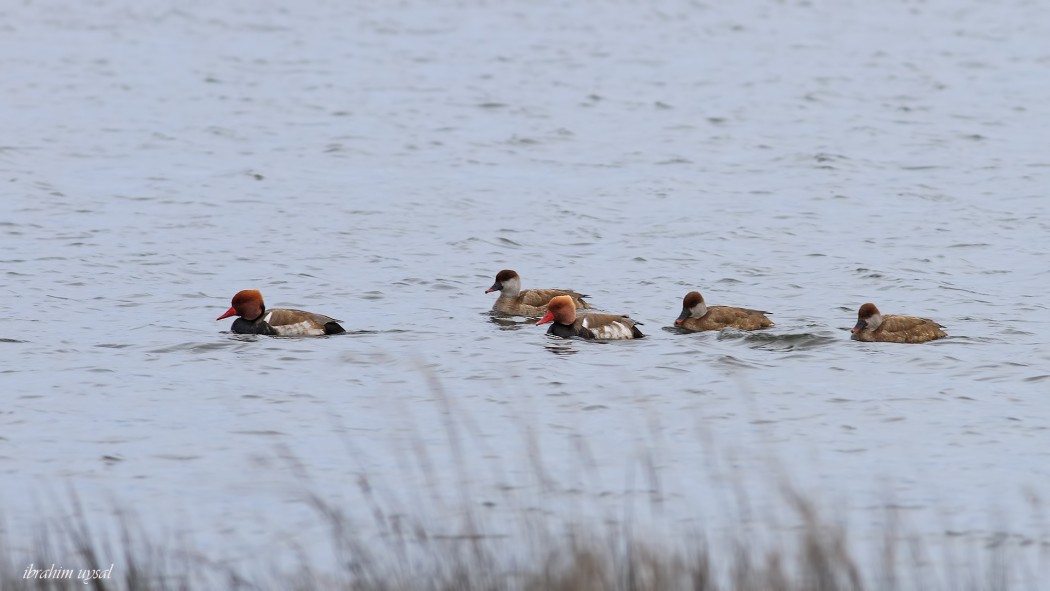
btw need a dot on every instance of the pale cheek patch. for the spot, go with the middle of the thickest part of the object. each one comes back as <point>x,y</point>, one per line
<point>511,288</point>
<point>873,322</point>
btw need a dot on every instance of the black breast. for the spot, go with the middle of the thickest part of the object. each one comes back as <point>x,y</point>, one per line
<point>566,331</point>
<point>242,326</point>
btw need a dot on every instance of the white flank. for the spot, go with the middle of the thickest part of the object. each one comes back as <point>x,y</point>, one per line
<point>614,330</point>
<point>299,329</point>
<point>585,325</point>
<point>266,318</point>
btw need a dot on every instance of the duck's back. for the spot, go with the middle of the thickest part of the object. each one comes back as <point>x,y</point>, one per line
<point>540,297</point>
<point>300,323</point>
<point>719,317</point>
<point>902,329</point>
<point>606,327</point>
<point>533,302</point>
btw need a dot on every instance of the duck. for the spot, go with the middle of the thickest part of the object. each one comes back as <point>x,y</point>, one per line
<point>256,319</point>
<point>872,327</point>
<point>697,316</point>
<point>515,301</point>
<point>561,310</point>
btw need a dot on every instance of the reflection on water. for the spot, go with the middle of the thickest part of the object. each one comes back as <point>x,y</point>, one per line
<point>773,341</point>
<point>512,322</point>
<point>560,346</point>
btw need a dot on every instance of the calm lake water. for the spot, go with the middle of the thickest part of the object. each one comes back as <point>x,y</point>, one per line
<point>380,164</point>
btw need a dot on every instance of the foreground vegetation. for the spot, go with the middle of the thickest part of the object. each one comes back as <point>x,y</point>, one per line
<point>815,556</point>
<point>399,551</point>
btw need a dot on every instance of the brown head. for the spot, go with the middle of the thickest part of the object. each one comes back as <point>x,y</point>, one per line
<point>867,317</point>
<point>561,309</point>
<point>693,306</point>
<point>247,304</point>
<point>506,281</point>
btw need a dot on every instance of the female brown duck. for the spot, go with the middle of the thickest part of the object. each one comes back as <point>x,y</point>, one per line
<point>697,316</point>
<point>515,301</point>
<point>872,326</point>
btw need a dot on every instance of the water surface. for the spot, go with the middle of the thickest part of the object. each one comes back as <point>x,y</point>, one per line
<point>381,164</point>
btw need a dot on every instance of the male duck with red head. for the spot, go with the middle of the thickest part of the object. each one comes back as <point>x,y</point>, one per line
<point>515,301</point>
<point>562,311</point>
<point>872,326</point>
<point>256,319</point>
<point>697,316</point>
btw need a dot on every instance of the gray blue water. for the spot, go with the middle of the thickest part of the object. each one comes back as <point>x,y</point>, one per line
<point>380,164</point>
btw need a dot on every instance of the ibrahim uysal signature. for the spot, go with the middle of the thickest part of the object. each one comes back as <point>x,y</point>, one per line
<point>57,572</point>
